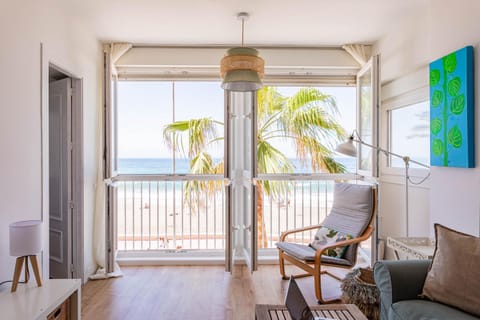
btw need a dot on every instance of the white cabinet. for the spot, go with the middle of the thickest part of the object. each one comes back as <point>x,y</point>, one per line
<point>30,302</point>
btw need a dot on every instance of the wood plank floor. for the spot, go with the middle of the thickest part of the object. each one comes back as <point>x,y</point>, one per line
<point>192,292</point>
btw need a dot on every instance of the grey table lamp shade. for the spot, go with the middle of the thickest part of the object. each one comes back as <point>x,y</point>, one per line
<point>25,238</point>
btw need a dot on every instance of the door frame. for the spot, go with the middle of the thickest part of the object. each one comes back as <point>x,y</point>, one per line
<point>77,227</point>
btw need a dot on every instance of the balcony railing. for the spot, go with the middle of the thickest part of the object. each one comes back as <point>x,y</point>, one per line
<point>167,212</point>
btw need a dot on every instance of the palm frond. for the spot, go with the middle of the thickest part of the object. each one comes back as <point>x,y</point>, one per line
<point>202,163</point>
<point>310,113</point>
<point>271,160</point>
<point>269,100</point>
<point>312,97</point>
<point>315,122</point>
<point>198,132</point>
<point>320,156</point>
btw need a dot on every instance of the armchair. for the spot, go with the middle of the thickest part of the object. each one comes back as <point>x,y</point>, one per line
<point>352,213</point>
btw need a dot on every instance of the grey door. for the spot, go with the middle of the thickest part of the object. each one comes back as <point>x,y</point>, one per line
<point>60,178</point>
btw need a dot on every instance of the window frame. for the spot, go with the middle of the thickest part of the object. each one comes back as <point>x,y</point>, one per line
<point>398,102</point>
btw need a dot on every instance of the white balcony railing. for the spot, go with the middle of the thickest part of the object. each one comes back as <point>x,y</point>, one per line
<point>165,212</point>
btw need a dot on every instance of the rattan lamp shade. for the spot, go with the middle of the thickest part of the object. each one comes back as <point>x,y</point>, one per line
<point>242,70</point>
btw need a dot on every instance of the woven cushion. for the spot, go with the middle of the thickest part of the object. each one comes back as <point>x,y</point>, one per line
<point>307,253</point>
<point>327,236</point>
<point>454,276</point>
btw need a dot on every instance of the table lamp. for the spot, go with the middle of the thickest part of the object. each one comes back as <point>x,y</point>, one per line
<point>25,243</point>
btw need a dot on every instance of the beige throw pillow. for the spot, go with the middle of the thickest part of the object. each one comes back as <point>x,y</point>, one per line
<point>454,276</point>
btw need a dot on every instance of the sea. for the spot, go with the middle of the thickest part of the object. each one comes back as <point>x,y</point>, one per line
<point>165,165</point>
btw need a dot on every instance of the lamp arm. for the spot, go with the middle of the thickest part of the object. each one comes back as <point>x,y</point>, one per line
<point>406,159</point>
<point>419,163</point>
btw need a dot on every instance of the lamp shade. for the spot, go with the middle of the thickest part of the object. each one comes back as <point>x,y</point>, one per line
<point>242,80</point>
<point>242,70</point>
<point>25,238</point>
<point>347,148</point>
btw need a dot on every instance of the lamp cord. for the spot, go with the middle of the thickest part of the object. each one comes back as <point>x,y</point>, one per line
<point>26,280</point>
<point>419,181</point>
<point>243,31</point>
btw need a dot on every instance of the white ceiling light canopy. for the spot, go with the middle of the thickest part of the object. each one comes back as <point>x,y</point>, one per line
<point>241,68</point>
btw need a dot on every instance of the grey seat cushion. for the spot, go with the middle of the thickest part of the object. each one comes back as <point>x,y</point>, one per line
<point>307,253</point>
<point>424,309</point>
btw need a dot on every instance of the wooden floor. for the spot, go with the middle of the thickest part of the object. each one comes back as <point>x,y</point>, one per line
<point>186,292</point>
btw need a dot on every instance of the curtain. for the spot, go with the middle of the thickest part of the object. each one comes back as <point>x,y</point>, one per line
<point>112,52</point>
<point>361,53</point>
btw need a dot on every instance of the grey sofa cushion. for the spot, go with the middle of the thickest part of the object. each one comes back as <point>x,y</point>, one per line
<point>307,253</point>
<point>424,309</point>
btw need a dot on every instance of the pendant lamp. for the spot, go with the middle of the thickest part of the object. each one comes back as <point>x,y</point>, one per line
<point>241,68</point>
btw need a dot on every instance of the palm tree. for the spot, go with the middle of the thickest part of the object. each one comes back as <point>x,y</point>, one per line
<point>307,120</point>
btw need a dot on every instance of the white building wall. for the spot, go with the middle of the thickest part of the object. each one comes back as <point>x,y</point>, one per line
<point>70,45</point>
<point>451,196</point>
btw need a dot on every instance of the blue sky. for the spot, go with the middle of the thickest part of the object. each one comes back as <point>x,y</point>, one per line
<point>145,107</point>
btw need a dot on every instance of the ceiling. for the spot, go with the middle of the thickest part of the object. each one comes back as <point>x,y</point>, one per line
<point>271,23</point>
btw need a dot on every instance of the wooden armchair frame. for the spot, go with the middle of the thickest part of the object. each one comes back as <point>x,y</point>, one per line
<point>315,268</point>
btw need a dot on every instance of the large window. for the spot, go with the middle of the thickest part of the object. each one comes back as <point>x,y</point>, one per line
<point>409,133</point>
<point>145,108</point>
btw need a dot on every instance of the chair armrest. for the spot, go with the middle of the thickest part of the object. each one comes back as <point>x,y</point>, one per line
<point>399,280</point>
<point>286,233</point>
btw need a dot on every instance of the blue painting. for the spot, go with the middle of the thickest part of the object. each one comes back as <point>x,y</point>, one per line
<point>451,110</point>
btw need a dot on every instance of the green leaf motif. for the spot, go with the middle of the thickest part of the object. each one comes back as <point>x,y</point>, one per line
<point>437,98</point>
<point>458,104</point>
<point>437,147</point>
<point>434,77</point>
<point>450,62</point>
<point>454,137</point>
<point>436,126</point>
<point>453,86</point>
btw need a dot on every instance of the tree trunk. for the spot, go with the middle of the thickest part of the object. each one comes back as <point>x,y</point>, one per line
<point>262,230</point>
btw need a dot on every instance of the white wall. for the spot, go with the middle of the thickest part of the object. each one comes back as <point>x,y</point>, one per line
<point>69,44</point>
<point>451,196</point>
<point>455,193</point>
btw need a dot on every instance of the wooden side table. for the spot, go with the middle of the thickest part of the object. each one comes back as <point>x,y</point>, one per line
<point>334,311</point>
<point>56,297</point>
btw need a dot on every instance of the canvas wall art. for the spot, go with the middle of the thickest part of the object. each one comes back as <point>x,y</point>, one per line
<point>451,110</point>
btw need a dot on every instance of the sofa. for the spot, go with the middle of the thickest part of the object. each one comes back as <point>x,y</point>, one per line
<point>400,284</point>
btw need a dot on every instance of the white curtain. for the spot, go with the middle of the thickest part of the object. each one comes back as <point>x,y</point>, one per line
<point>361,53</point>
<point>113,52</point>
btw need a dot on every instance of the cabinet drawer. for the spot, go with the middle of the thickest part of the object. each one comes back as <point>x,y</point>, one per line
<point>62,312</point>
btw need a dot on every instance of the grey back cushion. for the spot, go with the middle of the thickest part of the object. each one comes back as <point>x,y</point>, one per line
<point>351,212</point>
